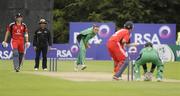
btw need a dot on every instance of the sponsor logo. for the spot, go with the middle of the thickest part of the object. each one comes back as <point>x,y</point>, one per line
<point>104,31</point>
<point>74,49</point>
<point>64,54</point>
<point>6,54</point>
<point>165,52</point>
<point>164,32</point>
<point>147,37</point>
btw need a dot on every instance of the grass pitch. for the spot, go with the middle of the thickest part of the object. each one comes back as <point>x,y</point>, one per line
<point>21,84</point>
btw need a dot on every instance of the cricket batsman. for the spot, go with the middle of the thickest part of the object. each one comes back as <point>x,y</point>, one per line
<point>83,39</point>
<point>18,31</point>
<point>149,55</point>
<point>116,47</point>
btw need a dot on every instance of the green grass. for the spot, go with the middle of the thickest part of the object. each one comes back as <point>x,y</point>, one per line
<point>20,84</point>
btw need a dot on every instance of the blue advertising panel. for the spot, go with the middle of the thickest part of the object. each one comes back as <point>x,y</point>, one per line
<point>142,33</point>
<point>155,33</point>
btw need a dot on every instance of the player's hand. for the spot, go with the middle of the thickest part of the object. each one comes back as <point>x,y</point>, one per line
<point>88,46</point>
<point>49,47</point>
<point>136,44</point>
<point>4,44</point>
<point>27,44</point>
<point>133,44</point>
<point>99,42</point>
<point>35,48</point>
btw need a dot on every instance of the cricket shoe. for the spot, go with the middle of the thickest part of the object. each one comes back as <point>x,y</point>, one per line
<point>159,79</point>
<point>117,78</point>
<point>36,69</point>
<point>45,69</point>
<point>76,67</point>
<point>17,69</point>
<point>137,79</point>
<point>83,67</point>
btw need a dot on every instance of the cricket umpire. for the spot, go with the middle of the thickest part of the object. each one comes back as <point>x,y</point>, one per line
<point>42,42</point>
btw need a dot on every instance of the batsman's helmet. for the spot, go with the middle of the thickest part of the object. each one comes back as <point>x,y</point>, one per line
<point>129,25</point>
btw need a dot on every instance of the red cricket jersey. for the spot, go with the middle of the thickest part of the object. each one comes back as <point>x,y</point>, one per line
<point>120,35</point>
<point>17,31</point>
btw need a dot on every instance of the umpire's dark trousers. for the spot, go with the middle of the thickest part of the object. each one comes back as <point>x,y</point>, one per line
<point>44,51</point>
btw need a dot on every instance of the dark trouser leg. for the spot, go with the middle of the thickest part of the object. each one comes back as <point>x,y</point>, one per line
<point>38,53</point>
<point>144,68</point>
<point>122,69</point>
<point>44,55</point>
<point>153,66</point>
<point>16,59</point>
<point>21,55</point>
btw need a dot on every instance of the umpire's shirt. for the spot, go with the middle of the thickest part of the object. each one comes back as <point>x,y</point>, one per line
<point>42,38</point>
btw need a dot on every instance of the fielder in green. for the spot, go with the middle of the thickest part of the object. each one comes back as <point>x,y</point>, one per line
<point>83,39</point>
<point>149,55</point>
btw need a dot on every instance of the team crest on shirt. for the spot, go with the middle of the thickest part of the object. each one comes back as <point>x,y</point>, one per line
<point>22,27</point>
<point>15,27</point>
